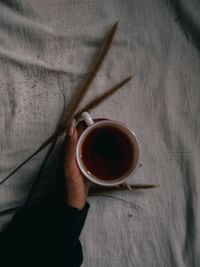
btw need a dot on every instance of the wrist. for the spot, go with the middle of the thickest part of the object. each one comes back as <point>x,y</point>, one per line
<point>75,196</point>
<point>75,203</point>
<point>76,191</point>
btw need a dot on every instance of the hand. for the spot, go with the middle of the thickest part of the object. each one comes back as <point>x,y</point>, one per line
<point>77,185</point>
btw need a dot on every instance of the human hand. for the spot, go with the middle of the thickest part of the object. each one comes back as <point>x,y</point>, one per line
<point>76,184</point>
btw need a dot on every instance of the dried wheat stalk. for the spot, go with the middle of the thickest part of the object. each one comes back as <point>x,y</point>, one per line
<point>99,99</point>
<point>124,186</point>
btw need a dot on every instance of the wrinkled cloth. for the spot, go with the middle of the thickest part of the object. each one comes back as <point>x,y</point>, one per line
<point>46,48</point>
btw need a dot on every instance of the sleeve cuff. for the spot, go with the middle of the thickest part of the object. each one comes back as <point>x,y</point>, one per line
<point>74,220</point>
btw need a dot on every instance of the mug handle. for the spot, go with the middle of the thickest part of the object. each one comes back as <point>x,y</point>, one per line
<point>87,118</point>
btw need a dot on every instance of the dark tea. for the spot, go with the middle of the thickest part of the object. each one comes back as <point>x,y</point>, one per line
<point>107,152</point>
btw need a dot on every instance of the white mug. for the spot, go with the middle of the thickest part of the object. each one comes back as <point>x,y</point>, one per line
<point>91,126</point>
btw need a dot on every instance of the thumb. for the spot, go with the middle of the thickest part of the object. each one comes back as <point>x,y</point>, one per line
<point>71,140</point>
<point>70,145</point>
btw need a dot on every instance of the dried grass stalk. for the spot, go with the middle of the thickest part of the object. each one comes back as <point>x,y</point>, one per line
<point>90,76</point>
<point>99,99</point>
<point>122,187</point>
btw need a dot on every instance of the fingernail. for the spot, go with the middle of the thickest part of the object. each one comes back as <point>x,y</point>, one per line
<point>70,130</point>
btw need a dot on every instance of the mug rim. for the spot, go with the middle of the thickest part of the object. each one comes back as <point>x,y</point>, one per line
<point>95,179</point>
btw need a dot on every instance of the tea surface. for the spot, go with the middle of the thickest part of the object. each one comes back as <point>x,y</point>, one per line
<point>107,153</point>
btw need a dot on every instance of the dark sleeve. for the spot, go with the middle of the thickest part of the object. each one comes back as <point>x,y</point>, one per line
<point>44,235</point>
